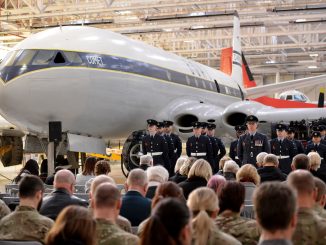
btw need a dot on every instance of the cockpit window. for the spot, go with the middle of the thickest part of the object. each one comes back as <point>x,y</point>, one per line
<point>25,57</point>
<point>73,57</point>
<point>9,59</point>
<point>43,57</point>
<point>59,59</point>
<point>289,97</point>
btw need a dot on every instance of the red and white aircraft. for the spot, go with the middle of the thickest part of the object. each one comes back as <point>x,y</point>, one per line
<point>102,85</point>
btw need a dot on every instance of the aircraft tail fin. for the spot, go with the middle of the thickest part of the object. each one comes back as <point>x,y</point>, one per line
<point>248,79</point>
<point>236,53</point>
<point>321,98</point>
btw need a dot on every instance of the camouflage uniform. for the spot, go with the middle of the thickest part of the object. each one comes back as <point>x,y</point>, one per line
<point>310,230</point>
<point>109,233</point>
<point>124,223</point>
<point>320,211</point>
<point>25,224</point>
<point>218,237</point>
<point>243,229</point>
<point>4,210</point>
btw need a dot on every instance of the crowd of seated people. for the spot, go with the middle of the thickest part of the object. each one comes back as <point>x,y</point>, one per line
<point>192,207</point>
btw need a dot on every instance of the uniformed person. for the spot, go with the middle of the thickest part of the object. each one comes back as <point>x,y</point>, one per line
<point>203,128</point>
<point>297,143</point>
<point>156,146</point>
<point>177,143</point>
<point>239,130</point>
<point>316,146</point>
<point>217,145</point>
<point>4,210</point>
<point>169,141</point>
<point>199,146</point>
<point>252,143</point>
<point>283,148</point>
<point>323,132</point>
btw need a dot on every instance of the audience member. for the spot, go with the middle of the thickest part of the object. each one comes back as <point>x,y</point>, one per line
<point>198,176</point>
<point>320,197</point>
<point>250,178</point>
<point>275,208</point>
<point>175,178</point>
<point>270,170</point>
<point>74,226</point>
<point>88,171</point>
<point>311,229</point>
<point>50,179</point>
<point>315,161</point>
<point>145,162</point>
<point>135,206</point>
<point>122,222</point>
<point>156,175</point>
<point>101,167</point>
<point>106,206</point>
<point>203,204</point>
<point>231,200</point>
<point>165,190</point>
<point>221,164</point>
<point>25,223</point>
<point>4,209</point>
<point>216,183</point>
<point>184,169</point>
<point>31,167</point>
<point>260,159</point>
<point>300,161</point>
<point>44,170</point>
<point>230,170</point>
<point>168,224</point>
<point>62,196</point>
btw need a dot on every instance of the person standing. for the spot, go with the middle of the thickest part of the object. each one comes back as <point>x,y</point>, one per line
<point>217,146</point>
<point>297,143</point>
<point>168,126</point>
<point>252,143</point>
<point>156,146</point>
<point>239,130</point>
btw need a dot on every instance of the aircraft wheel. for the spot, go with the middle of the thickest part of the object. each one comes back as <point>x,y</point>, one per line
<point>11,150</point>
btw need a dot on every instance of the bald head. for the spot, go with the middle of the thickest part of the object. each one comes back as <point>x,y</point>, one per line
<point>137,177</point>
<point>100,180</point>
<point>64,179</point>
<point>106,195</point>
<point>302,181</point>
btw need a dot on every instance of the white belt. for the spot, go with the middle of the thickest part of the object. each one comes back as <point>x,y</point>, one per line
<point>200,154</point>
<point>236,157</point>
<point>154,153</point>
<point>282,157</point>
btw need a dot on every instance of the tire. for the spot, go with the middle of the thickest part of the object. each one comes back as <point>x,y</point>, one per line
<point>13,153</point>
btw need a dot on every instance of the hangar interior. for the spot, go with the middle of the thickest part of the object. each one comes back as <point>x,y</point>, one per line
<point>281,39</point>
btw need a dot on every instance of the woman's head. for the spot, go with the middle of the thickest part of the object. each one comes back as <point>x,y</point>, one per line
<point>165,190</point>
<point>216,183</point>
<point>102,167</point>
<point>181,160</point>
<point>158,174</point>
<point>222,162</point>
<point>89,166</point>
<point>232,197</point>
<point>168,224</point>
<point>315,160</point>
<point>184,169</point>
<point>248,173</point>
<point>74,223</point>
<point>201,168</point>
<point>32,167</point>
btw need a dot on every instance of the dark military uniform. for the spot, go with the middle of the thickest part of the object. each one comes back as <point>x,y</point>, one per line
<point>233,146</point>
<point>172,155</point>
<point>200,147</point>
<point>249,146</point>
<point>177,144</point>
<point>285,151</point>
<point>157,147</point>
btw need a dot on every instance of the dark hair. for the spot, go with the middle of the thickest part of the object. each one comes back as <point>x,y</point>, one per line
<point>168,219</point>
<point>106,195</point>
<point>89,166</point>
<point>31,167</point>
<point>167,189</point>
<point>44,166</point>
<point>232,196</point>
<point>301,161</point>
<point>102,167</point>
<point>274,205</point>
<point>74,225</point>
<point>29,185</point>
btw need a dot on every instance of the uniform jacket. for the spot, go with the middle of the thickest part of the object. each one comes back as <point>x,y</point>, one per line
<point>233,152</point>
<point>218,151</point>
<point>177,144</point>
<point>286,148</point>
<point>202,144</point>
<point>58,200</point>
<point>4,209</point>
<point>157,144</point>
<point>191,184</point>
<point>271,173</point>
<point>248,148</point>
<point>135,207</point>
<point>218,237</point>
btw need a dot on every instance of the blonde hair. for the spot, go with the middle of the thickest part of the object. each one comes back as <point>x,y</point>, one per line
<point>260,158</point>
<point>231,166</point>
<point>315,160</point>
<point>248,173</point>
<point>222,162</point>
<point>181,160</point>
<point>201,168</point>
<point>184,169</point>
<point>202,202</point>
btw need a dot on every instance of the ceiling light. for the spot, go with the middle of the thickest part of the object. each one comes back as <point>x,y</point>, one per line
<point>270,62</point>
<point>188,41</point>
<point>300,20</point>
<point>312,67</point>
<point>313,55</point>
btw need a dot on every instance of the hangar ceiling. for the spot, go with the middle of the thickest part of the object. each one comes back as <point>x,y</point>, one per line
<point>285,36</point>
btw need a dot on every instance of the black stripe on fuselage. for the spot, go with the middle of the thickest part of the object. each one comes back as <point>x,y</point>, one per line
<point>115,63</point>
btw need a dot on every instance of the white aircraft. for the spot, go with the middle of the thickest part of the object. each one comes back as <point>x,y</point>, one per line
<point>102,85</point>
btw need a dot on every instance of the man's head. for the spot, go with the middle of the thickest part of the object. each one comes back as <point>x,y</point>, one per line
<point>168,126</point>
<point>157,174</point>
<point>252,123</point>
<point>275,208</point>
<point>316,137</point>
<point>232,197</point>
<point>196,128</point>
<point>31,191</point>
<point>281,130</point>
<point>160,127</point>
<point>211,129</point>
<point>146,160</point>
<point>300,161</point>
<point>64,179</point>
<point>106,199</point>
<point>260,158</point>
<point>152,126</point>
<point>270,160</point>
<point>290,133</point>
<point>100,180</point>
<point>321,192</point>
<point>302,181</point>
<point>137,180</point>
<point>240,130</point>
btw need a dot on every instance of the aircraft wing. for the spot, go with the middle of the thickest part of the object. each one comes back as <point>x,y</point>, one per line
<point>255,92</point>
